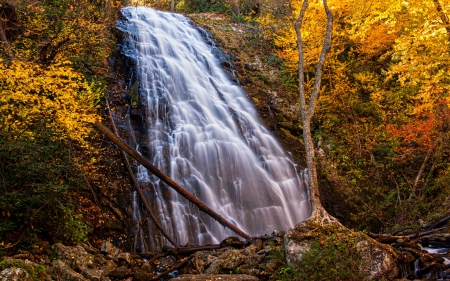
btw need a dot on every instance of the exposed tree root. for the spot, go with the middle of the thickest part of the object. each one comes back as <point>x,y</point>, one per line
<point>322,218</point>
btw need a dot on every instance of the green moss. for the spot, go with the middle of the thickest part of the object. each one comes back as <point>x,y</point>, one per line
<point>36,272</point>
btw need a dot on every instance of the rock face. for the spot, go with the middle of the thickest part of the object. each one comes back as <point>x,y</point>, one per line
<point>377,260</point>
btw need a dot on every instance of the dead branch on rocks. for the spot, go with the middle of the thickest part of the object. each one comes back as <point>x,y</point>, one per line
<point>185,261</point>
<point>388,239</point>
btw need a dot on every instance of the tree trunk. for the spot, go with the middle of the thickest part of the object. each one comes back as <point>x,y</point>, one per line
<point>133,153</point>
<point>318,212</point>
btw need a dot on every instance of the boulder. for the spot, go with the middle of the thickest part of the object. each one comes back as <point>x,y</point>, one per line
<point>66,273</point>
<point>14,274</point>
<point>378,260</point>
<point>92,274</point>
<point>109,249</point>
<point>229,260</point>
<point>75,257</point>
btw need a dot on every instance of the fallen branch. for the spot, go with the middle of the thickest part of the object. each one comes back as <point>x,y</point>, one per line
<point>136,184</point>
<point>133,153</point>
<point>388,239</point>
<point>185,261</point>
<point>188,250</point>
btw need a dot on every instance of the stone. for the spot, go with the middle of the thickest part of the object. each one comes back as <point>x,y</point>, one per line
<point>378,260</point>
<point>229,260</point>
<point>109,249</point>
<point>92,274</point>
<point>202,260</point>
<point>75,257</point>
<point>217,277</point>
<point>253,260</point>
<point>14,274</point>
<point>120,273</point>
<point>66,273</point>
<point>250,250</point>
<point>140,275</point>
<point>232,242</point>
<point>125,257</point>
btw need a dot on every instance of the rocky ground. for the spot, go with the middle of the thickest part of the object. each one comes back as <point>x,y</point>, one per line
<point>264,258</point>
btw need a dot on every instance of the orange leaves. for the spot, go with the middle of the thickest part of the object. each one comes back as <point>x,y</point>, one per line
<point>424,131</point>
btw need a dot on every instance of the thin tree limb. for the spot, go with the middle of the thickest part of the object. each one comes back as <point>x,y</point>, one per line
<point>136,184</point>
<point>419,174</point>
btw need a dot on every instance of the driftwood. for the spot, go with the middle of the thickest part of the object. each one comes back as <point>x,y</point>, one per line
<point>188,250</point>
<point>136,184</point>
<point>133,153</point>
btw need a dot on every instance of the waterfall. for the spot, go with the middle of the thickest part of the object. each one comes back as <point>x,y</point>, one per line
<point>202,131</point>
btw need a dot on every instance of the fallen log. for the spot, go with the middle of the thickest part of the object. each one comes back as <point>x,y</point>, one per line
<point>188,250</point>
<point>136,184</point>
<point>133,153</point>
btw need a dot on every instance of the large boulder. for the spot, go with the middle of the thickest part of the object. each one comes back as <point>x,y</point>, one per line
<point>374,260</point>
<point>75,257</point>
<point>229,260</point>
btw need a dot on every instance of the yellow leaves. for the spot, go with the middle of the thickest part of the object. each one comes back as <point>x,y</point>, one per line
<point>56,97</point>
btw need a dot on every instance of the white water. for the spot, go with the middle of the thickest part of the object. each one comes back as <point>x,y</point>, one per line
<point>204,133</point>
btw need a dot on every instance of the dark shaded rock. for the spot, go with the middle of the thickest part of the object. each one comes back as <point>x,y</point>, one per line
<point>228,260</point>
<point>66,273</point>
<point>253,260</point>
<point>92,274</point>
<point>140,275</point>
<point>120,272</point>
<point>109,249</point>
<point>202,260</point>
<point>232,242</point>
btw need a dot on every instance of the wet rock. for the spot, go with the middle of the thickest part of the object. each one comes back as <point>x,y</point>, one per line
<point>121,272</point>
<point>109,249</point>
<point>438,240</point>
<point>65,272</point>
<point>106,269</point>
<point>75,257</point>
<point>14,274</point>
<point>228,260</point>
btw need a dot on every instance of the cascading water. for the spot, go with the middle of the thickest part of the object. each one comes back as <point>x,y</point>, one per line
<point>203,132</point>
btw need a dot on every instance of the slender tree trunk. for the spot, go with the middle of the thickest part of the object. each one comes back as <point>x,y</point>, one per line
<point>419,174</point>
<point>172,5</point>
<point>307,111</point>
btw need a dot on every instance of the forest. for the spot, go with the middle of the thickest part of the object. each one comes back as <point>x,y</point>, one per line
<point>381,128</point>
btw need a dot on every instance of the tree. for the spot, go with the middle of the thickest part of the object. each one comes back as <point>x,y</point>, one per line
<point>307,111</point>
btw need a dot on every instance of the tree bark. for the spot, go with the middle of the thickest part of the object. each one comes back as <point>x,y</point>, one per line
<point>133,153</point>
<point>307,111</point>
<point>419,174</point>
<point>136,185</point>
